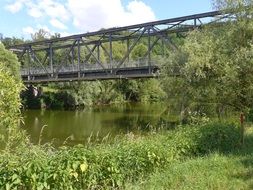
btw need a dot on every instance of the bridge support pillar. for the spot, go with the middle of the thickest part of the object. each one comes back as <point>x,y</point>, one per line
<point>149,51</point>
<point>34,91</point>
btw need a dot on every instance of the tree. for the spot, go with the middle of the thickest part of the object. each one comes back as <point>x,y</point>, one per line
<point>10,87</point>
<point>41,35</point>
<point>139,51</point>
<point>215,63</point>
<point>9,62</point>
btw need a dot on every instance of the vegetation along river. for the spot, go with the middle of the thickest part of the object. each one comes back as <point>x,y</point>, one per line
<point>94,124</point>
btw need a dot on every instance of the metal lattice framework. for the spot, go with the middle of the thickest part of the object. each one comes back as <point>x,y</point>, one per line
<point>41,63</point>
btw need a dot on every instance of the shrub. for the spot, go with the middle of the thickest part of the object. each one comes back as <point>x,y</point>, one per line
<point>9,107</point>
<point>110,165</point>
<point>59,100</point>
<point>9,62</point>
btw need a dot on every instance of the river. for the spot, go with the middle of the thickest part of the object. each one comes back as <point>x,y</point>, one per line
<point>94,124</point>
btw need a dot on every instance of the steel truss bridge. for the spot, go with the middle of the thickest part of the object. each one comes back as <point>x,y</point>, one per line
<point>61,59</point>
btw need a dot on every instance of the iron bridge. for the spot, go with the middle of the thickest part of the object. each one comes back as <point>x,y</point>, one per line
<point>62,59</point>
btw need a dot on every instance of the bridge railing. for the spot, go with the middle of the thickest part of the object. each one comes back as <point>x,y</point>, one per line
<point>67,68</point>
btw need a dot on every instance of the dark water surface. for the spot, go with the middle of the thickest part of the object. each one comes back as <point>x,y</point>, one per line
<point>96,123</point>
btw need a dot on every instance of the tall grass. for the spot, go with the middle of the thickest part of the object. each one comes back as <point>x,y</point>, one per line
<point>217,171</point>
<point>111,165</point>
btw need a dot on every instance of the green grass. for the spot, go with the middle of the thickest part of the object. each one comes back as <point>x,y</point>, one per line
<point>214,171</point>
<point>111,166</point>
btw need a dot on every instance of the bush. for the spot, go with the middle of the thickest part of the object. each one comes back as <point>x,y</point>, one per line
<point>59,100</point>
<point>9,107</point>
<point>9,62</point>
<point>110,165</point>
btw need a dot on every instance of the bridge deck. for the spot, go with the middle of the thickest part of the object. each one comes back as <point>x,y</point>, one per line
<point>90,75</point>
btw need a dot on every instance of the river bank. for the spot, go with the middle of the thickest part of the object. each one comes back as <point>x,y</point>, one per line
<point>112,165</point>
<point>214,171</point>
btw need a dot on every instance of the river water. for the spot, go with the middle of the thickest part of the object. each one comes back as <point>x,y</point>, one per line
<point>79,127</point>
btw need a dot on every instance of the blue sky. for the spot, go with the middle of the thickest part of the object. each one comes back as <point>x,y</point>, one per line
<point>20,18</point>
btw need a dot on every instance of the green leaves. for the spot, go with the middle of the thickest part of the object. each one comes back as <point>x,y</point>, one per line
<point>110,165</point>
<point>84,167</point>
<point>217,65</point>
<point>9,62</point>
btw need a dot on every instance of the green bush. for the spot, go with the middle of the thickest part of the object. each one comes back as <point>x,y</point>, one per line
<point>9,108</point>
<point>111,165</point>
<point>59,100</point>
<point>9,62</point>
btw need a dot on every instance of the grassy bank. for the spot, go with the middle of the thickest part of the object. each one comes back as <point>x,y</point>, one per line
<point>233,170</point>
<point>114,165</point>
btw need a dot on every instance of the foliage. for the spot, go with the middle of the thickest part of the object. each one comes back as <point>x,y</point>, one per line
<point>9,62</point>
<point>150,91</point>
<point>10,87</point>
<point>224,171</point>
<point>110,165</point>
<point>8,94</point>
<point>215,65</point>
<point>215,171</point>
<point>82,94</point>
<point>12,41</point>
<point>9,99</point>
<point>139,51</point>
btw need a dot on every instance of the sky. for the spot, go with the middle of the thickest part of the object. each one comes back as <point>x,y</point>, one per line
<point>21,18</point>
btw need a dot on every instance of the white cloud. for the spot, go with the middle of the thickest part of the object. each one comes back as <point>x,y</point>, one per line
<point>64,34</point>
<point>44,27</point>
<point>35,12</point>
<point>57,24</point>
<point>40,8</point>
<point>15,7</point>
<point>85,15</point>
<point>54,9</point>
<point>28,30</point>
<point>96,14</point>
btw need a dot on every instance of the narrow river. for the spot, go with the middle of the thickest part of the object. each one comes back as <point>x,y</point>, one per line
<point>78,127</point>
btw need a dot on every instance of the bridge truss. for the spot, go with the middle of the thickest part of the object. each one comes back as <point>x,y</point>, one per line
<point>61,59</point>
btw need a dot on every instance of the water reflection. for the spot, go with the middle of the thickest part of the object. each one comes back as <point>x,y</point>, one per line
<point>78,126</point>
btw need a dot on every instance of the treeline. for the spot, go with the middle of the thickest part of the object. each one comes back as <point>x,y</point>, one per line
<point>72,95</point>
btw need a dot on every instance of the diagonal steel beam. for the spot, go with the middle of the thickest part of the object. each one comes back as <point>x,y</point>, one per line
<point>22,54</point>
<point>45,58</point>
<point>38,61</point>
<point>34,58</point>
<point>151,47</point>
<point>130,49</point>
<point>165,39</point>
<point>92,53</point>
<point>66,56</point>
<point>105,50</point>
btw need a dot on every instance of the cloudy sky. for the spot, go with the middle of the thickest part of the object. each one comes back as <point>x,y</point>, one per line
<point>20,18</point>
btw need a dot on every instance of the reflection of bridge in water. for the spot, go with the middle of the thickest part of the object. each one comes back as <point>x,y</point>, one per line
<point>62,59</point>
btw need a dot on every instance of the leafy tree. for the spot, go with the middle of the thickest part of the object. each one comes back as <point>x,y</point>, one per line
<point>150,91</point>
<point>41,34</point>
<point>12,41</point>
<point>10,87</point>
<point>9,99</point>
<point>215,63</point>
<point>139,51</point>
<point>9,62</point>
